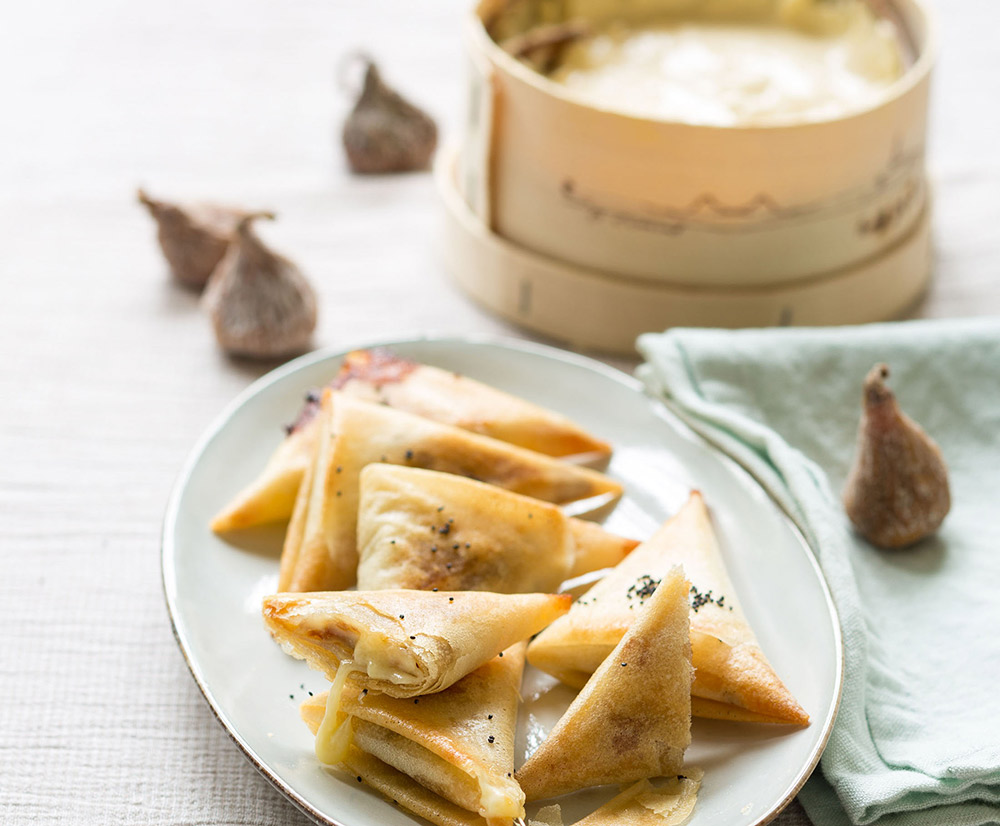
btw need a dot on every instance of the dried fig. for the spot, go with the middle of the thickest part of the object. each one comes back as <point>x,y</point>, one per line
<point>897,490</point>
<point>259,302</point>
<point>194,238</point>
<point>386,133</point>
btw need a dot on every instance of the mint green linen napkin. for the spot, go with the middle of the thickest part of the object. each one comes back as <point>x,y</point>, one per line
<point>917,739</point>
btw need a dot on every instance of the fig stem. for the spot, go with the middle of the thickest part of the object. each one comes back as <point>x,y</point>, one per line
<point>245,221</point>
<point>151,204</point>
<point>358,58</point>
<point>875,388</point>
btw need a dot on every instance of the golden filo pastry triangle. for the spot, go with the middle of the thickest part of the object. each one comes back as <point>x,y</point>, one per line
<point>271,496</point>
<point>458,744</point>
<point>632,719</point>
<point>321,551</point>
<point>405,643</point>
<point>382,377</point>
<point>495,541</point>
<point>733,678</point>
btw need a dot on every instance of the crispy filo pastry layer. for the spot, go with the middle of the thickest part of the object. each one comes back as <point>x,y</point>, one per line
<point>382,377</point>
<point>495,540</point>
<point>271,496</point>
<point>632,720</point>
<point>733,678</point>
<point>405,643</point>
<point>451,398</point>
<point>458,743</point>
<point>323,555</point>
<point>408,793</point>
<point>668,803</point>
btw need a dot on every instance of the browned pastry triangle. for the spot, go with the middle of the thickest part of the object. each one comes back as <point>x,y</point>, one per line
<point>458,744</point>
<point>632,719</point>
<point>406,643</point>
<point>733,678</point>
<point>382,377</point>
<point>496,541</point>
<point>354,434</point>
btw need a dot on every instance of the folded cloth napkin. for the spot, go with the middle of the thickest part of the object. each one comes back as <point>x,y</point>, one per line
<point>917,739</point>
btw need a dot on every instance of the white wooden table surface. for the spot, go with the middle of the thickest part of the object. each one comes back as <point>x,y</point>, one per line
<point>109,372</point>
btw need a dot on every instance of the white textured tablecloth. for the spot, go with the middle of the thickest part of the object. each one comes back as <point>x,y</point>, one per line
<point>109,373</point>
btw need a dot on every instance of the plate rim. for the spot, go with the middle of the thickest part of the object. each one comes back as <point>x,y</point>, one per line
<point>661,410</point>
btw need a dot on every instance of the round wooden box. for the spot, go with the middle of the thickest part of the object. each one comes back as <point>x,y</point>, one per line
<point>593,226</point>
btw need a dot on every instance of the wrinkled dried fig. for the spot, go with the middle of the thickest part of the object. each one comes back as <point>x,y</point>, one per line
<point>897,490</point>
<point>259,302</point>
<point>193,238</point>
<point>386,133</point>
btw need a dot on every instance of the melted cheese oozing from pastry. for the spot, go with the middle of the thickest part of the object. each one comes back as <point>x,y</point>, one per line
<point>333,738</point>
<point>718,73</point>
<point>381,660</point>
<point>498,800</point>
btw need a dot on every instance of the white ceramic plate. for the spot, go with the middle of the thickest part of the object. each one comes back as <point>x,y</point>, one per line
<point>213,586</point>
